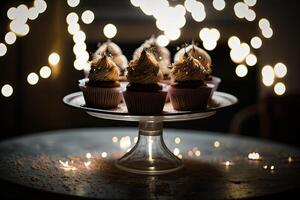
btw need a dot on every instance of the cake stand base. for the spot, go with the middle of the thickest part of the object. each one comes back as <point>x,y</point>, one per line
<point>150,155</point>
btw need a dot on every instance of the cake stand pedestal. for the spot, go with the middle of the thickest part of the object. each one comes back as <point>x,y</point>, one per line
<point>150,155</point>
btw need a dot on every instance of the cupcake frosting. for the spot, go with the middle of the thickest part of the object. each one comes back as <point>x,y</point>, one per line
<point>188,69</point>
<point>115,51</point>
<point>144,70</point>
<point>161,54</point>
<point>104,69</point>
<point>196,52</point>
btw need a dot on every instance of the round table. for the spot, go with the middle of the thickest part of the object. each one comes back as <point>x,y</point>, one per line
<point>80,163</point>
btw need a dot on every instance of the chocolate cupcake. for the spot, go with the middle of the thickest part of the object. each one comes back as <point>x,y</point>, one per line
<point>189,90</point>
<point>203,57</point>
<point>102,89</point>
<point>161,54</point>
<point>144,95</point>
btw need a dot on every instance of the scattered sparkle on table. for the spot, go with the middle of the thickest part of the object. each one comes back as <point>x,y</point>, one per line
<point>216,144</point>
<point>197,153</point>
<point>176,151</point>
<point>253,156</point>
<point>88,155</point>
<point>114,139</point>
<point>265,166</point>
<point>104,154</point>
<point>177,140</point>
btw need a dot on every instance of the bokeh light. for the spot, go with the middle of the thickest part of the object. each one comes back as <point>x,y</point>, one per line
<point>279,88</point>
<point>268,75</point>
<point>32,78</point>
<point>53,58</point>
<point>280,70</point>
<point>87,17</point>
<point>162,40</point>
<point>110,30</point>
<point>45,72</point>
<point>7,90</point>
<point>251,60</point>
<point>256,42</point>
<point>73,3</point>
<point>241,70</point>
<point>3,49</point>
<point>10,38</point>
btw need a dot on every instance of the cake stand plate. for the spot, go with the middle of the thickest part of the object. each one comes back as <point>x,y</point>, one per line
<point>150,154</point>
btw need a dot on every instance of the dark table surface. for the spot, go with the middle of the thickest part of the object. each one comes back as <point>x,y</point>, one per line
<point>57,164</point>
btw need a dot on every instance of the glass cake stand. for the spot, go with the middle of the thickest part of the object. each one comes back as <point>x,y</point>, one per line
<point>150,155</point>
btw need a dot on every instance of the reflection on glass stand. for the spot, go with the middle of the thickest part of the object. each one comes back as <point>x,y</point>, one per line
<point>150,154</point>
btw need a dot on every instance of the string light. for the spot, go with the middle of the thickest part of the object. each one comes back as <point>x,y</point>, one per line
<point>73,28</point>
<point>172,34</point>
<point>45,72</point>
<point>33,13</point>
<point>250,2</point>
<point>40,5</point>
<point>110,30</point>
<point>251,60</point>
<point>32,78</point>
<point>279,88</point>
<point>256,42</point>
<point>280,70</point>
<point>3,49</point>
<point>268,75</point>
<point>72,18</point>
<point>87,17</point>
<point>7,90</point>
<point>241,70</point>
<point>73,3</point>
<point>53,58</point>
<point>240,9</point>
<point>219,4</point>
<point>239,53</point>
<point>162,40</point>
<point>209,38</point>
<point>263,23</point>
<point>250,15</point>
<point>10,38</point>
<point>234,42</point>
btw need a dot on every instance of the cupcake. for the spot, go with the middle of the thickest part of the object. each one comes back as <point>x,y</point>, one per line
<point>203,57</point>
<point>161,54</point>
<point>102,89</point>
<point>144,95</point>
<point>112,49</point>
<point>189,91</point>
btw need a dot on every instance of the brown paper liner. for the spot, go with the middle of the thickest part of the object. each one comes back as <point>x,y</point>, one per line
<point>97,97</point>
<point>190,99</point>
<point>145,103</point>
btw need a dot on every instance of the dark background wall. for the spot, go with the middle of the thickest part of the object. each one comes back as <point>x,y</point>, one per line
<point>39,107</point>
